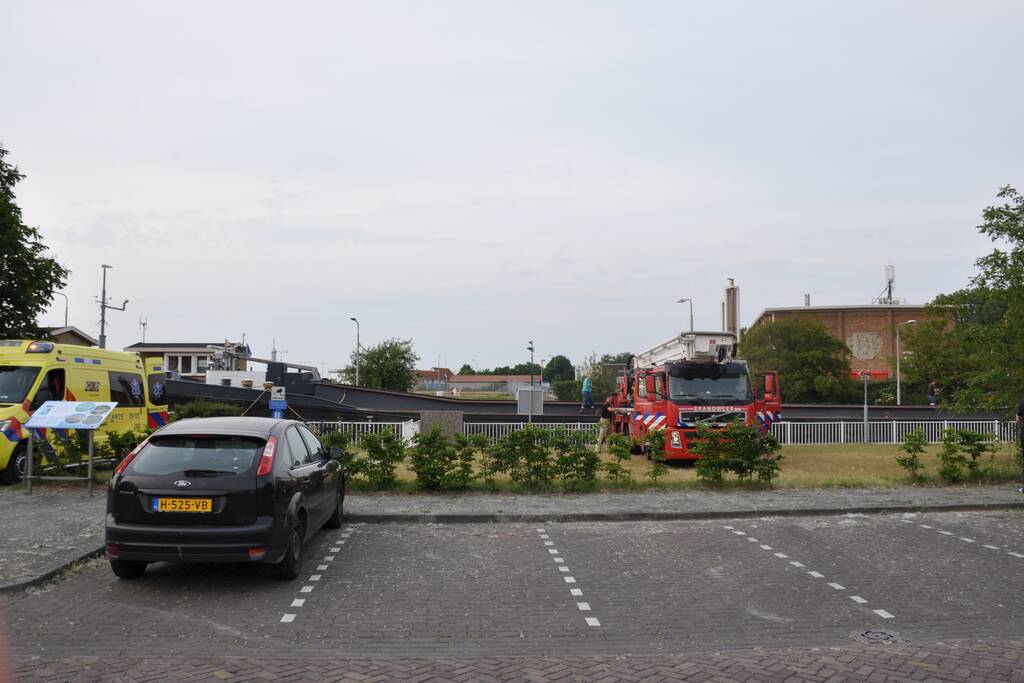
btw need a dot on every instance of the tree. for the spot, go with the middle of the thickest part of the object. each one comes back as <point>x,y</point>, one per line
<point>558,368</point>
<point>813,365</point>
<point>389,365</point>
<point>28,277</point>
<point>979,360</point>
<point>466,369</point>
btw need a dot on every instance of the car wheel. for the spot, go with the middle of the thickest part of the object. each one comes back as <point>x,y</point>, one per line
<point>15,470</point>
<point>128,569</point>
<point>290,565</point>
<point>334,521</point>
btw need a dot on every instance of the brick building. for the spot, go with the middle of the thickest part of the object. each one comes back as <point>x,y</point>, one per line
<point>869,330</point>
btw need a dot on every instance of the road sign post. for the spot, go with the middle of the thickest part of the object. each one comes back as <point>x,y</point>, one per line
<point>278,403</point>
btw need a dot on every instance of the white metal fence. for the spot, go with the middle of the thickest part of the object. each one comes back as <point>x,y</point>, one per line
<point>354,429</point>
<point>884,432</point>
<point>495,430</point>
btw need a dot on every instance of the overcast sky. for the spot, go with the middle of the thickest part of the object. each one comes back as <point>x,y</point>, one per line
<point>473,175</point>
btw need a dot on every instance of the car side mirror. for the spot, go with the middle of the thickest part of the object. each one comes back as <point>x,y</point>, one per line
<point>336,453</point>
<point>42,396</point>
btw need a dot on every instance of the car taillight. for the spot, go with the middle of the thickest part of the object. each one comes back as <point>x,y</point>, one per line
<point>267,459</point>
<point>113,550</point>
<point>257,553</point>
<point>131,456</point>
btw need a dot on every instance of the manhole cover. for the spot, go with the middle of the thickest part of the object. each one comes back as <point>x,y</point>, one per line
<point>877,636</point>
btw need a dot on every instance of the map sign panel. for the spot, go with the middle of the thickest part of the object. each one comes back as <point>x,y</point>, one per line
<point>70,415</point>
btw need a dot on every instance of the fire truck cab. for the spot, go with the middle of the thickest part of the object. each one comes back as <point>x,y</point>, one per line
<point>693,378</point>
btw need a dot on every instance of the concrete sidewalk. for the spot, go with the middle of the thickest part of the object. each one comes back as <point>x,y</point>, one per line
<point>42,534</point>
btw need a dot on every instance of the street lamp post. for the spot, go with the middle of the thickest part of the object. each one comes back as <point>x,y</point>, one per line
<point>65,306</point>
<point>690,301</point>
<point>104,306</point>
<point>529,412</point>
<point>359,351</point>
<point>898,397</point>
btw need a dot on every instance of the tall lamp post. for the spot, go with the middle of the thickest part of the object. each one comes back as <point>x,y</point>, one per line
<point>359,351</point>
<point>909,322</point>
<point>530,410</point>
<point>102,301</point>
<point>690,301</point>
<point>65,306</point>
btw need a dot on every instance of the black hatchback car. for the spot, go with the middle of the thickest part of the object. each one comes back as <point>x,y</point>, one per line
<point>222,489</point>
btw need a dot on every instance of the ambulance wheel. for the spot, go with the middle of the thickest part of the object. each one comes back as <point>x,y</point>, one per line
<point>15,470</point>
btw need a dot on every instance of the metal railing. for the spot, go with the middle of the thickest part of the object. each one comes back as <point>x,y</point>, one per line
<point>894,431</point>
<point>495,430</point>
<point>354,429</point>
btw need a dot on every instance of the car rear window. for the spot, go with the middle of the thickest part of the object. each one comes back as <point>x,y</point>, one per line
<point>197,455</point>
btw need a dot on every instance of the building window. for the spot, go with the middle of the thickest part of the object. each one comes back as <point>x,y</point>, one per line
<point>187,364</point>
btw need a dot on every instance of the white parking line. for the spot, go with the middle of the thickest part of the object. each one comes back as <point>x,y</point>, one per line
<point>329,558</point>
<point>315,577</point>
<point>882,613</point>
<point>781,556</point>
<point>570,579</point>
<point>559,559</point>
<point>591,621</point>
<point>945,533</point>
<point>321,567</point>
<point>541,531</point>
<point>298,602</point>
<point>549,542</point>
<point>306,589</point>
<point>924,526</point>
<point>966,540</point>
<point>1016,554</point>
<point>335,550</point>
<point>991,547</point>
<point>857,599</point>
<point>817,575</point>
<point>738,532</point>
<point>797,564</point>
<point>562,568</point>
<point>837,586</point>
<point>583,606</point>
<point>287,618</point>
<point>553,551</point>
<point>727,527</point>
<point>766,547</point>
<point>752,539</point>
<point>576,592</point>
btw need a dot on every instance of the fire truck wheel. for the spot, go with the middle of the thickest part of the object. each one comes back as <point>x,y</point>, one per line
<point>635,448</point>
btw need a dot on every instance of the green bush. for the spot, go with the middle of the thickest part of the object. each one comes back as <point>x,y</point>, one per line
<point>913,445</point>
<point>384,451</point>
<point>342,440</point>
<point>576,461</point>
<point>523,455</point>
<point>739,449</point>
<point>621,448</point>
<point>568,389</point>
<point>656,446</point>
<point>951,458</point>
<point>440,464</point>
<point>974,445</point>
<point>205,409</point>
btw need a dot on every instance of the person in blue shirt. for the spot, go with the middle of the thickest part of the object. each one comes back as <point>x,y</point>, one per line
<point>588,396</point>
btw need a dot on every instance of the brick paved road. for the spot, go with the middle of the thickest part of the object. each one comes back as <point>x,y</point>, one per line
<point>574,601</point>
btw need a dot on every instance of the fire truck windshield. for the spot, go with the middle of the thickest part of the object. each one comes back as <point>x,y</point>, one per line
<point>692,383</point>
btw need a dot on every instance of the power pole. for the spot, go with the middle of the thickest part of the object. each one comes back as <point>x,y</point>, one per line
<point>102,301</point>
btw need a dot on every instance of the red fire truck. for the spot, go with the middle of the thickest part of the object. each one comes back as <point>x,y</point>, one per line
<point>692,378</point>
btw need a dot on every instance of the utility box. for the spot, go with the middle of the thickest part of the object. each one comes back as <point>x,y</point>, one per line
<point>530,400</point>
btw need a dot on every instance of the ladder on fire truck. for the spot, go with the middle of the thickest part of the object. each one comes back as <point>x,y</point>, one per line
<point>707,347</point>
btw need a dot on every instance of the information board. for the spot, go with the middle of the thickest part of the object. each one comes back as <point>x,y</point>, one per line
<point>70,415</point>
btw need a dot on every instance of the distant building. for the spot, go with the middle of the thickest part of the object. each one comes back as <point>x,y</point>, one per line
<point>869,330</point>
<point>70,335</point>
<point>192,360</point>
<point>495,384</point>
<point>434,379</point>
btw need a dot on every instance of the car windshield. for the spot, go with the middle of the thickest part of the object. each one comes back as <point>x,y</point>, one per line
<point>16,381</point>
<point>197,456</point>
<point>727,384</point>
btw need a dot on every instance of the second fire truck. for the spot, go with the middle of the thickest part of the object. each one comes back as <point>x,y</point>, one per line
<point>693,378</point>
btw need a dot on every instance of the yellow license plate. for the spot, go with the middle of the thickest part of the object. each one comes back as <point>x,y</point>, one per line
<point>182,505</point>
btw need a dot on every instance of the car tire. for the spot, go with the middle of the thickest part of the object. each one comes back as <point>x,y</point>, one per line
<point>290,566</point>
<point>334,521</point>
<point>15,470</point>
<point>128,569</point>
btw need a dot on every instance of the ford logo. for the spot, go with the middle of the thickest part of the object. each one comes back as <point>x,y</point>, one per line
<point>182,483</point>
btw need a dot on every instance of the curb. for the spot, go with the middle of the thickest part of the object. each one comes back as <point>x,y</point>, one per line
<point>46,576</point>
<point>473,518</point>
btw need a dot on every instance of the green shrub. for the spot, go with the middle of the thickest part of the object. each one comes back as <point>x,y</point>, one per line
<point>440,464</point>
<point>576,461</point>
<point>523,455</point>
<point>342,440</point>
<point>951,458</point>
<point>620,446</point>
<point>739,449</point>
<point>567,389</point>
<point>384,451</point>
<point>205,409</point>
<point>974,445</point>
<point>656,446</point>
<point>913,445</point>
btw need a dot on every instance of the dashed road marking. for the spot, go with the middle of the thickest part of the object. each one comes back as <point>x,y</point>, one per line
<point>837,586</point>
<point>857,599</point>
<point>781,556</point>
<point>797,564</point>
<point>925,526</point>
<point>575,592</point>
<point>882,613</point>
<point>766,547</point>
<point>321,567</point>
<point>329,558</point>
<point>315,577</point>
<point>287,618</point>
<point>1016,554</point>
<point>945,533</point>
<point>817,575</point>
<point>752,539</point>
<point>306,589</point>
<point>991,547</point>
<point>738,532</point>
<point>966,540</point>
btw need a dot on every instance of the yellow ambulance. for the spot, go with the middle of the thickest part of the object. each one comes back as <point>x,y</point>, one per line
<point>33,372</point>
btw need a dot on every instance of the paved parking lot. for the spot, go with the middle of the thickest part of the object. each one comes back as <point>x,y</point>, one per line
<point>908,596</point>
